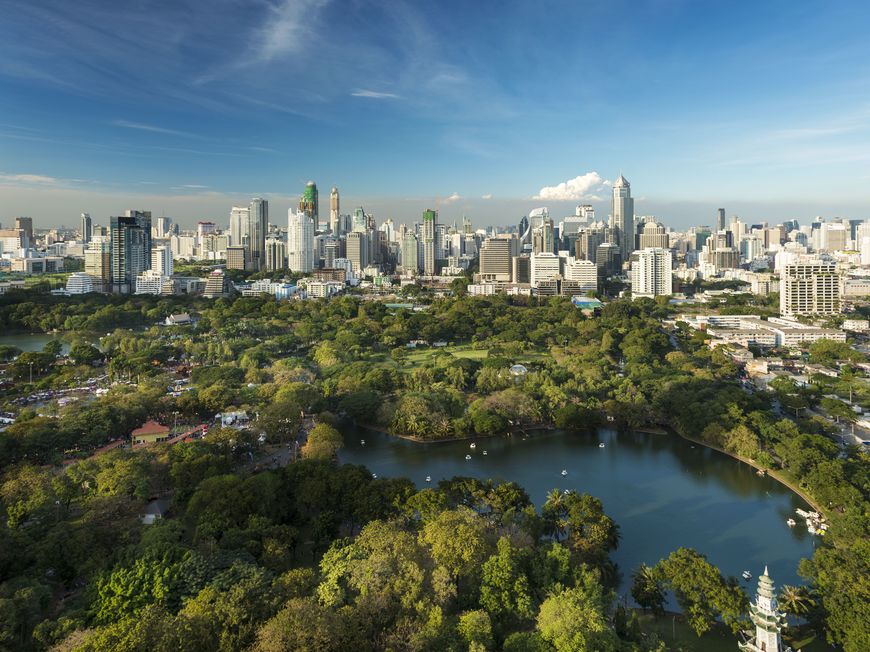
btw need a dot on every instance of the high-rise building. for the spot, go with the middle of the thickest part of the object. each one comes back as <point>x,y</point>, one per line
<point>87,228</point>
<point>521,269</point>
<point>334,224</point>
<point>360,221</point>
<point>26,224</point>
<point>653,235</point>
<point>543,237</point>
<point>651,273</point>
<point>300,241</point>
<point>833,236</point>
<point>131,248</point>
<point>163,227</point>
<point>309,203</point>
<point>544,267</point>
<point>98,263</point>
<point>496,255</point>
<point>276,254</point>
<point>720,220</point>
<point>430,221</point>
<point>408,253</point>
<point>523,229</point>
<point>258,225</point>
<point>580,275</point>
<point>161,261</point>
<point>239,218</point>
<point>357,250</point>
<point>809,286</point>
<point>622,216</point>
<point>237,257</point>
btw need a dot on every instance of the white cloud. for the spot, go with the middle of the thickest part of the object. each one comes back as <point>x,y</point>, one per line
<point>27,178</point>
<point>195,186</point>
<point>288,28</point>
<point>452,198</point>
<point>580,187</point>
<point>376,95</point>
<point>126,124</point>
<point>487,196</point>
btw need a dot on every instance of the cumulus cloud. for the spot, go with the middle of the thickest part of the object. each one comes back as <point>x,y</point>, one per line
<point>580,187</point>
<point>487,196</point>
<point>375,95</point>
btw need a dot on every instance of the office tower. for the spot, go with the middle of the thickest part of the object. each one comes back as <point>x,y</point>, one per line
<point>87,228</point>
<point>217,285</point>
<point>496,255</point>
<point>237,257</point>
<point>467,228</point>
<point>360,221</point>
<point>130,236</point>
<point>653,235</point>
<point>523,230</point>
<point>588,239</point>
<point>521,269</point>
<point>331,251</point>
<point>357,250</point>
<point>12,241</point>
<point>720,220</point>
<point>543,237</point>
<point>544,266</point>
<point>276,254</point>
<point>300,241</point>
<point>809,286</point>
<point>345,223</point>
<point>585,212</point>
<point>163,227</point>
<point>651,274</point>
<point>334,224</point>
<point>161,261</point>
<point>25,224</point>
<point>205,228</point>
<point>98,263</point>
<point>608,258</point>
<point>239,218</point>
<point>719,252</point>
<point>622,216</point>
<point>833,236</point>
<point>430,222</point>
<point>580,276</point>
<point>309,203</point>
<point>258,225</point>
<point>410,263</point>
<point>751,247</point>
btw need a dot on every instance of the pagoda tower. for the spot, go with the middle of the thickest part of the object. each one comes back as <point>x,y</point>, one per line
<point>768,620</point>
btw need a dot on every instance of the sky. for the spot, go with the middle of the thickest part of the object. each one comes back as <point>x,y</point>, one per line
<point>483,108</point>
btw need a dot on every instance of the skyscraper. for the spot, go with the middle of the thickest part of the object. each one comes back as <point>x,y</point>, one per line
<point>622,216</point>
<point>651,273</point>
<point>161,261</point>
<point>430,220</point>
<point>309,203</point>
<point>334,223</point>
<point>87,228</point>
<point>276,254</point>
<point>239,218</point>
<point>130,236</point>
<point>810,286</point>
<point>258,224</point>
<point>300,241</point>
<point>357,250</point>
<point>720,220</point>
<point>360,221</point>
<point>26,224</point>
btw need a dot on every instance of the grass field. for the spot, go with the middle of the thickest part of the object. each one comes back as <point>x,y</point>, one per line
<point>417,357</point>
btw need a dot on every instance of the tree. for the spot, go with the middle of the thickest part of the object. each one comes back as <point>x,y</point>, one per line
<point>574,620</point>
<point>86,354</point>
<point>647,591</point>
<point>795,600</point>
<point>459,542</point>
<point>323,443</point>
<point>505,590</point>
<point>475,628</point>
<point>280,420</point>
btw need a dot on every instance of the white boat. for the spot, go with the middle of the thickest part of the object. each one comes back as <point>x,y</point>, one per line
<point>428,478</point>
<point>484,452</point>
<point>566,492</point>
<point>468,457</point>
<point>601,445</point>
<point>747,575</point>
<point>791,522</point>
<point>362,442</point>
<point>374,476</point>
<point>564,472</point>
<point>473,446</point>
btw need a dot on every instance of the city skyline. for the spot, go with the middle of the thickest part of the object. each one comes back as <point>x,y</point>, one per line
<point>406,107</point>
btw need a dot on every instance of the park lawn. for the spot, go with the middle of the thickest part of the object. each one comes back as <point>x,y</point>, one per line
<point>417,357</point>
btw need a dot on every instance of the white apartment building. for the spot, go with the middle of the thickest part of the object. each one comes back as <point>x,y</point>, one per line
<point>809,287</point>
<point>300,241</point>
<point>544,266</point>
<point>582,272</point>
<point>651,273</point>
<point>161,261</point>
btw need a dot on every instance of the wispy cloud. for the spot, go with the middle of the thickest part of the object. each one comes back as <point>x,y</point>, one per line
<point>28,179</point>
<point>139,126</point>
<point>287,28</point>
<point>376,95</point>
<point>194,186</point>
<point>580,187</point>
<point>452,198</point>
<point>487,196</point>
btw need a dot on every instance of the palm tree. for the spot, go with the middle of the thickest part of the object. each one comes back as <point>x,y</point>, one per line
<point>795,600</point>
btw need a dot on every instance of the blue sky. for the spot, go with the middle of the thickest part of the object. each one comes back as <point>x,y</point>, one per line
<point>474,107</point>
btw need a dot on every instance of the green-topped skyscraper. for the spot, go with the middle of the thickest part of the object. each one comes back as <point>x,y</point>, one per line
<point>309,203</point>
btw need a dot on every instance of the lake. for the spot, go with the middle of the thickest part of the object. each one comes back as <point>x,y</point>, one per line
<point>663,491</point>
<point>31,341</point>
